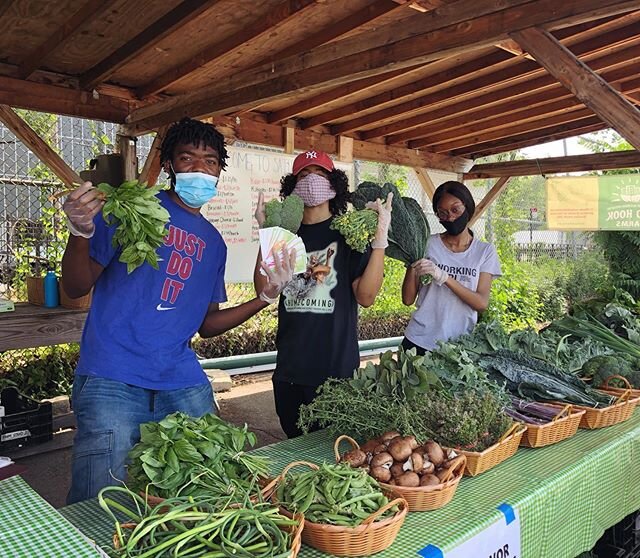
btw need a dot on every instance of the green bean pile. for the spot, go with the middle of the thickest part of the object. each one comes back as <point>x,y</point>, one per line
<point>334,494</point>
<point>186,527</point>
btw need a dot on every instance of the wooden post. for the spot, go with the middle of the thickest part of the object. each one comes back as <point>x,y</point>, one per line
<point>151,169</point>
<point>345,149</point>
<point>36,144</point>
<point>127,149</point>
<point>609,105</point>
<point>425,181</point>
<point>489,198</point>
<point>289,137</point>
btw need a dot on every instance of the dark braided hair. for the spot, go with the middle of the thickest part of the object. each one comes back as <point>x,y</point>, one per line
<point>339,182</point>
<point>193,132</point>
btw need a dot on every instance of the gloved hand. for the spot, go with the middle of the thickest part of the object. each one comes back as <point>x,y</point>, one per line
<point>259,214</point>
<point>380,240</point>
<point>427,267</point>
<point>80,207</point>
<point>279,276</point>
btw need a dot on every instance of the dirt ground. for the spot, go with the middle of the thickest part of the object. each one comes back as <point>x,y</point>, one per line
<point>250,401</point>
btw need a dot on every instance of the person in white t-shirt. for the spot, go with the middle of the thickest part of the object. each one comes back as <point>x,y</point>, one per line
<point>462,269</point>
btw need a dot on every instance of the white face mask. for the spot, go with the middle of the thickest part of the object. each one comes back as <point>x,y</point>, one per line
<point>314,190</point>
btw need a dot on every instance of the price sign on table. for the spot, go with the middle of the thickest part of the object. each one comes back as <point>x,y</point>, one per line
<point>500,540</point>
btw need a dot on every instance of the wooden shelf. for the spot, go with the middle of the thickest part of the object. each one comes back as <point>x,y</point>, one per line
<point>35,326</point>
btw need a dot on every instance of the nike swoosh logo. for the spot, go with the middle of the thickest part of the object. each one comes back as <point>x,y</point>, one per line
<point>161,308</point>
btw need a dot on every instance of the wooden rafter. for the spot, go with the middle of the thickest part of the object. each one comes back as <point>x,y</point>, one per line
<point>436,79</point>
<point>253,131</point>
<point>489,198</point>
<point>151,168</point>
<point>61,100</point>
<point>425,181</point>
<point>534,137</point>
<point>163,27</point>
<point>509,102</point>
<point>514,75</point>
<point>279,15</point>
<point>258,86</point>
<point>36,144</point>
<point>555,165</point>
<point>583,82</point>
<point>37,57</point>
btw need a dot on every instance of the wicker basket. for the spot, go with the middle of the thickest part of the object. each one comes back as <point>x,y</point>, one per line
<point>364,540</point>
<point>479,462</point>
<point>81,303</point>
<point>295,530</point>
<point>620,411</point>
<point>35,290</point>
<point>421,498</point>
<point>564,425</point>
<point>634,393</point>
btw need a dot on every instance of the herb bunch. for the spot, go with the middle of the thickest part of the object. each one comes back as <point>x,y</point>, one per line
<point>358,227</point>
<point>141,221</point>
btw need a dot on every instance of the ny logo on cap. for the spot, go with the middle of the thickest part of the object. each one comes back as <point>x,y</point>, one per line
<point>311,155</point>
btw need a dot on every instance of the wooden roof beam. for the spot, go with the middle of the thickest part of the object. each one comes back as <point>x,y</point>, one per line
<point>516,73</point>
<point>525,94</point>
<point>37,57</point>
<point>583,82</point>
<point>555,165</point>
<point>152,35</point>
<point>534,137</point>
<point>279,15</point>
<point>394,95</point>
<point>36,144</point>
<point>438,34</point>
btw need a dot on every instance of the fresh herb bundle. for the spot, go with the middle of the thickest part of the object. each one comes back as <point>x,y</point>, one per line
<point>141,221</point>
<point>181,455</point>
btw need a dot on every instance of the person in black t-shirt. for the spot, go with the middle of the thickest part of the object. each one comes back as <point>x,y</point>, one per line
<point>318,311</point>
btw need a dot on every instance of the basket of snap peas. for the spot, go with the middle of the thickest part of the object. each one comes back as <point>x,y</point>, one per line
<point>346,511</point>
<point>199,527</point>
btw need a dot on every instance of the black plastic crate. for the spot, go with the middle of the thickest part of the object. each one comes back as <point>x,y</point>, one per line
<point>25,420</point>
<point>622,540</point>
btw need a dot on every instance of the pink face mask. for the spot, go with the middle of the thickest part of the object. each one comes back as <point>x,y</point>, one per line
<point>314,190</point>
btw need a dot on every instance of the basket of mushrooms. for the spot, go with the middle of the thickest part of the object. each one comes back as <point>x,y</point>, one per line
<point>423,474</point>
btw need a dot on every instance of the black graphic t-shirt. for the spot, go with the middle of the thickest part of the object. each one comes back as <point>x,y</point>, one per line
<point>318,313</point>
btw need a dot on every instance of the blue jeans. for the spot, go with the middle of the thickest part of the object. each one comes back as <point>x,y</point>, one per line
<point>108,415</point>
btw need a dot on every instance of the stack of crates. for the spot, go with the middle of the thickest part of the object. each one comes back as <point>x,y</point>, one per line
<point>23,421</point>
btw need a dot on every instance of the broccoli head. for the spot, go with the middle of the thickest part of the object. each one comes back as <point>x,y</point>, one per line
<point>273,213</point>
<point>291,214</point>
<point>603,366</point>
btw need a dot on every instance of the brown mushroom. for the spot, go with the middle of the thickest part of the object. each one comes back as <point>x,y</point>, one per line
<point>370,446</point>
<point>380,448</point>
<point>381,474</point>
<point>381,460</point>
<point>397,469</point>
<point>435,453</point>
<point>400,449</point>
<point>417,462</point>
<point>408,479</point>
<point>388,436</point>
<point>427,467</point>
<point>412,441</point>
<point>355,458</point>
<point>429,480</point>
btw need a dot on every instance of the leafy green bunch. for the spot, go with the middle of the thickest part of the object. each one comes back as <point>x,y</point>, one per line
<point>181,455</point>
<point>358,227</point>
<point>141,221</point>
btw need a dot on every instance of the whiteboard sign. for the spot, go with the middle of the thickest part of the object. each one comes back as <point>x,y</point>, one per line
<point>248,172</point>
<point>500,540</point>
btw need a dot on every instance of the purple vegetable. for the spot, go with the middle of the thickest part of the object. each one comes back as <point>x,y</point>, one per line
<point>534,409</point>
<point>524,418</point>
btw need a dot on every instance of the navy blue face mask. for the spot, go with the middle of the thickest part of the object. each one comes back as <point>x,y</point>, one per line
<point>195,188</point>
<point>457,226</point>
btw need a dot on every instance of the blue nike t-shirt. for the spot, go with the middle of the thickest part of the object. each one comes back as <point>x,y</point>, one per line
<point>140,324</point>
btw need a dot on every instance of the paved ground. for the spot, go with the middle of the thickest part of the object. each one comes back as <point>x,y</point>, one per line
<point>250,400</point>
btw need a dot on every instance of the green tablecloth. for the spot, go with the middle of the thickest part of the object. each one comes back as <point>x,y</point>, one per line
<point>31,528</point>
<point>566,495</point>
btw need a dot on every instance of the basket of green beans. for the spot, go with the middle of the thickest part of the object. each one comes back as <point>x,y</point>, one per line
<point>199,527</point>
<point>346,511</point>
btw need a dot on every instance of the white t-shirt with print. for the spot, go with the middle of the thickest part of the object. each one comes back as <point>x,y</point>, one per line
<point>440,315</point>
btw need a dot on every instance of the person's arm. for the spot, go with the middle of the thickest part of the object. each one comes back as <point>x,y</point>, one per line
<point>410,287</point>
<point>79,270</point>
<point>259,279</point>
<point>367,286</point>
<point>478,299</point>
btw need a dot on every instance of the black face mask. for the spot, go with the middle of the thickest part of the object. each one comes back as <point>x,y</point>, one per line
<point>456,227</point>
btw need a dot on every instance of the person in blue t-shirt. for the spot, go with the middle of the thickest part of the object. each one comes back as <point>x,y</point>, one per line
<point>135,361</point>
